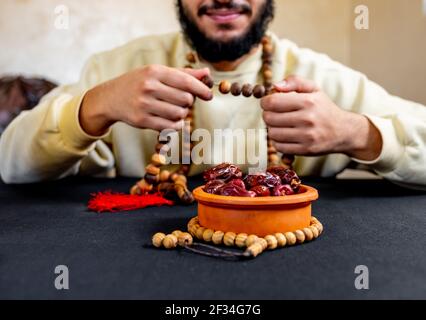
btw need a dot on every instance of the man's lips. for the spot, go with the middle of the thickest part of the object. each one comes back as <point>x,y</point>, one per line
<point>223,16</point>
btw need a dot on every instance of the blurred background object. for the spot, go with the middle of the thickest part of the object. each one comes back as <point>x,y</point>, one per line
<point>18,94</point>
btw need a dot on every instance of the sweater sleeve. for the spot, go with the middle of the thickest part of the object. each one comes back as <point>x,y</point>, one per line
<point>48,143</point>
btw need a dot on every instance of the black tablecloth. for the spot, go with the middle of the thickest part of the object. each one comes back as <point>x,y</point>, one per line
<point>371,223</point>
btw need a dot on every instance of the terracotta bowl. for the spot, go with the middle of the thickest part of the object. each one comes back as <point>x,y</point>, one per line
<point>260,216</point>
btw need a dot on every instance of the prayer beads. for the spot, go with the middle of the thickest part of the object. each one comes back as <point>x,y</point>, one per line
<point>254,245</point>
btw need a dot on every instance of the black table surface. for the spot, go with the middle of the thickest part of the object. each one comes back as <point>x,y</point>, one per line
<point>371,223</point>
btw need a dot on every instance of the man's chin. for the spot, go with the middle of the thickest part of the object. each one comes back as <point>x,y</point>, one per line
<point>225,36</point>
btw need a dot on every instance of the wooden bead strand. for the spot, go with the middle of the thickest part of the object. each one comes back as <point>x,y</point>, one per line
<point>208,235</point>
<point>241,239</point>
<point>309,236</point>
<point>185,239</point>
<point>260,91</point>
<point>155,181</point>
<point>272,242</point>
<point>236,89</point>
<point>191,58</point>
<point>247,90</point>
<point>157,239</point>
<point>217,237</point>
<point>281,240</point>
<point>252,239</point>
<point>208,81</point>
<point>152,175</point>
<point>181,188</point>
<point>254,250</point>
<point>291,238</point>
<point>225,87</point>
<point>171,241</point>
<point>253,244</point>
<point>229,239</point>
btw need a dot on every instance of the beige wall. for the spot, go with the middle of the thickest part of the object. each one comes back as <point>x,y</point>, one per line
<point>392,52</point>
<point>321,25</point>
<point>31,44</point>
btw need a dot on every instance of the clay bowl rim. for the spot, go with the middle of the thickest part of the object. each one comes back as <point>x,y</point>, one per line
<point>310,194</point>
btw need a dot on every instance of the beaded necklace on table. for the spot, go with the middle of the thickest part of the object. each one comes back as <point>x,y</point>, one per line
<point>165,182</point>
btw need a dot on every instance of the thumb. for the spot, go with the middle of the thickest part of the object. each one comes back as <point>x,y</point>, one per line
<point>197,73</point>
<point>296,84</point>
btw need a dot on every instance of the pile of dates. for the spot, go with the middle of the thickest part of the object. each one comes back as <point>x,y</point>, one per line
<point>228,180</point>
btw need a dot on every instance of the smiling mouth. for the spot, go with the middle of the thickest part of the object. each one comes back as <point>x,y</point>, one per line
<point>224,16</point>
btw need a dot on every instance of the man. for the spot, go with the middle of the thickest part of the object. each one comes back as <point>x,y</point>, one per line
<point>107,124</point>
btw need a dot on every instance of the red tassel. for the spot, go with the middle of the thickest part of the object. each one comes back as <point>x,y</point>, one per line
<point>116,202</point>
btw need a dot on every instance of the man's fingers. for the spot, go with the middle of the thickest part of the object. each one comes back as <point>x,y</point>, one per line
<point>183,81</point>
<point>159,124</point>
<point>174,96</point>
<point>167,111</point>
<point>296,84</point>
<point>283,120</point>
<point>283,102</point>
<point>284,135</point>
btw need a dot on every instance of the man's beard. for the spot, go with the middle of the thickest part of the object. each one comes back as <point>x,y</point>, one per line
<point>216,50</point>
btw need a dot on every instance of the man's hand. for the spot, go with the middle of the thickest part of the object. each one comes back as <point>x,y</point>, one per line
<point>302,120</point>
<point>154,97</point>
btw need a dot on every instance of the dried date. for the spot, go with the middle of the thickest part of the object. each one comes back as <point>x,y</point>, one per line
<point>287,176</point>
<point>227,180</point>
<point>213,187</point>
<point>232,190</point>
<point>268,179</point>
<point>261,191</point>
<point>238,183</point>
<point>283,190</point>
<point>225,172</point>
